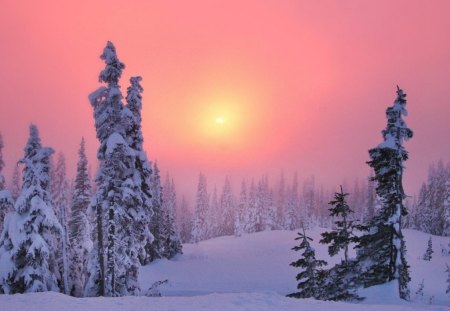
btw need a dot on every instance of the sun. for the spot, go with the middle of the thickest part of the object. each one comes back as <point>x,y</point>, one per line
<point>220,120</point>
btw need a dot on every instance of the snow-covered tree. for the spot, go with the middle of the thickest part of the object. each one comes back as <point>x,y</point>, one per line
<point>312,278</point>
<point>309,207</point>
<point>340,238</point>
<point>214,217</point>
<point>184,221</point>
<point>154,248</point>
<point>26,253</point>
<point>382,249</point>
<point>59,193</point>
<point>227,208</point>
<point>6,201</point>
<point>429,252</point>
<point>251,214</point>
<point>79,227</point>
<point>241,209</point>
<point>419,292</point>
<point>121,217</point>
<point>292,216</point>
<point>446,229</point>
<point>281,201</point>
<point>169,237</point>
<point>200,225</point>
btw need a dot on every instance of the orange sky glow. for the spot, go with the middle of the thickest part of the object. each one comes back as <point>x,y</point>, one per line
<point>298,85</point>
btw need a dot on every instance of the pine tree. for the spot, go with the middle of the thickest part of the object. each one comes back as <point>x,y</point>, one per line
<point>428,253</point>
<point>241,210</point>
<point>312,278</point>
<point>118,206</point>
<point>446,206</point>
<point>214,217</point>
<point>170,238</point>
<point>79,227</point>
<point>6,201</point>
<point>251,214</point>
<point>185,221</point>
<point>342,281</point>
<point>26,252</point>
<point>281,202</point>
<point>227,207</point>
<point>200,226</point>
<point>381,251</point>
<point>371,199</point>
<point>419,292</point>
<point>292,215</point>
<point>59,193</point>
<point>154,248</point>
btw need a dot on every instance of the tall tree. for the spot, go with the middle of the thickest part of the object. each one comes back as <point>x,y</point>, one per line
<point>382,248</point>
<point>6,201</point>
<point>79,227</point>
<point>16,184</point>
<point>154,247</point>
<point>59,193</point>
<point>121,217</point>
<point>240,210</point>
<point>26,252</point>
<point>185,221</point>
<point>200,226</point>
<point>227,208</point>
<point>170,238</point>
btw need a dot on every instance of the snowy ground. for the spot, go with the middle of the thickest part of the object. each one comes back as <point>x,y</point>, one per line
<point>251,272</point>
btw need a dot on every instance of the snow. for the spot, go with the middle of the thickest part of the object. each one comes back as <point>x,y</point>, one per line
<point>252,272</point>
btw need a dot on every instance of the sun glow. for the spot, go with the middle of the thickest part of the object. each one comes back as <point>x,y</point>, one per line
<point>220,120</point>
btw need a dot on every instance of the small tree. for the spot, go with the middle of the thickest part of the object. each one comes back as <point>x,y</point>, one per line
<point>419,292</point>
<point>429,251</point>
<point>311,279</point>
<point>341,283</point>
<point>6,201</point>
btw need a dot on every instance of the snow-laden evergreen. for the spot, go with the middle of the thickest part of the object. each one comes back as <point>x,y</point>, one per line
<point>381,252</point>
<point>429,252</point>
<point>154,247</point>
<point>227,209</point>
<point>241,208</point>
<point>60,199</point>
<point>201,224</point>
<point>79,226</point>
<point>121,216</point>
<point>6,200</point>
<point>170,239</point>
<point>16,184</point>
<point>184,221</point>
<point>312,279</point>
<point>27,259</point>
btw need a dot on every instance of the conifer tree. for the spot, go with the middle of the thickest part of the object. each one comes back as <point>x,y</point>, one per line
<point>227,210</point>
<point>381,251</point>
<point>6,201</point>
<point>79,227</point>
<point>419,292</point>
<point>251,215</point>
<point>240,210</point>
<point>185,221</point>
<point>292,214</point>
<point>200,226</point>
<point>446,213</point>
<point>170,238</point>
<point>340,238</point>
<point>429,252</point>
<point>26,252</point>
<point>118,205</point>
<point>154,247</point>
<point>59,192</point>
<point>342,281</point>
<point>312,279</point>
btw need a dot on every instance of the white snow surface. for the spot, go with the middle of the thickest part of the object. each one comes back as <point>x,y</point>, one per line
<point>252,272</point>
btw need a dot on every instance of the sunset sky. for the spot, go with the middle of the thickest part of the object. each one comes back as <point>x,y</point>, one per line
<point>234,87</point>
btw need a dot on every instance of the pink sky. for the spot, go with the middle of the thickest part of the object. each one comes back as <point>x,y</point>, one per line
<point>303,84</point>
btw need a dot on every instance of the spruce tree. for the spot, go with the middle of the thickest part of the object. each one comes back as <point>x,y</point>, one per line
<point>340,238</point>
<point>185,221</point>
<point>26,252</point>
<point>381,251</point>
<point>200,226</point>
<point>429,252</point>
<point>16,185</point>
<point>6,200</point>
<point>227,208</point>
<point>120,213</point>
<point>240,210</point>
<point>154,247</point>
<point>79,226</point>
<point>59,192</point>
<point>342,280</point>
<point>447,291</point>
<point>312,279</point>
<point>170,238</point>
